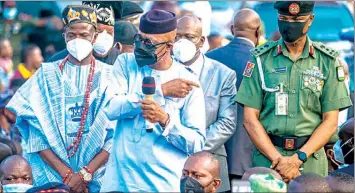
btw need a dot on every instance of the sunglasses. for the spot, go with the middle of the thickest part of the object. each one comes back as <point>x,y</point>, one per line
<point>147,41</point>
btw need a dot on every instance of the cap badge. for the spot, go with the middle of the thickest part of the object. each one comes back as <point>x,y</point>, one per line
<point>72,15</point>
<point>294,9</point>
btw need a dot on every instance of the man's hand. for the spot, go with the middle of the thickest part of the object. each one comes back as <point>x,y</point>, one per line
<point>153,112</point>
<point>178,88</point>
<point>287,167</point>
<point>76,183</point>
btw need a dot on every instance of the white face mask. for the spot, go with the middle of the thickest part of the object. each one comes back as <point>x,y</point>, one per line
<point>79,48</point>
<point>103,43</point>
<point>184,50</point>
<point>16,187</point>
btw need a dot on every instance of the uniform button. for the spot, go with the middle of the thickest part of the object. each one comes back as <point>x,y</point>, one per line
<point>293,91</point>
<point>291,115</point>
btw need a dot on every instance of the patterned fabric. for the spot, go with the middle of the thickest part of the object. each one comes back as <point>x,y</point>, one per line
<point>151,162</point>
<point>40,108</point>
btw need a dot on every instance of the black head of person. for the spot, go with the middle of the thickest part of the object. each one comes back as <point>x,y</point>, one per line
<point>15,170</point>
<point>295,18</point>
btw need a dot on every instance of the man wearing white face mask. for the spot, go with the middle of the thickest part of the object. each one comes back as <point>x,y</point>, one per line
<point>218,83</point>
<point>103,46</point>
<point>59,110</point>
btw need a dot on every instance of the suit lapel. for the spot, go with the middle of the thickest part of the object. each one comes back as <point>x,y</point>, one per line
<point>207,74</point>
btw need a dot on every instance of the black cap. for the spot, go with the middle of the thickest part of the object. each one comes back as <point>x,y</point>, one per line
<point>124,32</point>
<point>157,22</point>
<point>106,11</point>
<point>79,14</point>
<point>347,130</point>
<point>294,8</point>
<point>130,9</point>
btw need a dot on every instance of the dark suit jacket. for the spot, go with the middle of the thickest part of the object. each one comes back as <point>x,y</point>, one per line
<point>239,148</point>
<point>347,170</point>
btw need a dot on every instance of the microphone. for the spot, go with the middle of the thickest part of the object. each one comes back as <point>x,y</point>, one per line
<point>148,88</point>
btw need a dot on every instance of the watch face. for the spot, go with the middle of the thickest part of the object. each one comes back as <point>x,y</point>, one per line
<point>87,177</point>
<point>302,156</point>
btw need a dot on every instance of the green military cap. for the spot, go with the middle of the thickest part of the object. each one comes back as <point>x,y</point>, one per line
<point>294,8</point>
<point>79,14</point>
<point>106,11</point>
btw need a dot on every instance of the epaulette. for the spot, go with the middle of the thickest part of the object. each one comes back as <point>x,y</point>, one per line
<point>258,51</point>
<point>326,50</point>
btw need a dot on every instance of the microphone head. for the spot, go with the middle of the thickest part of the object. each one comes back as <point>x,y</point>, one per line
<point>148,85</point>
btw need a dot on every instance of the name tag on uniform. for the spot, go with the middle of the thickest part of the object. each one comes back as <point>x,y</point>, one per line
<point>281,103</point>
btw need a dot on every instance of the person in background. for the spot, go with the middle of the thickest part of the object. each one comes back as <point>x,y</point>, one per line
<point>344,148</point>
<point>291,114</point>
<point>262,39</point>
<point>6,63</point>
<point>32,59</point>
<point>50,187</point>
<point>341,182</point>
<point>6,118</point>
<point>103,46</point>
<point>171,6</point>
<point>216,41</point>
<point>218,83</point>
<point>59,110</point>
<point>15,174</point>
<point>309,182</point>
<point>131,12</point>
<point>176,130</point>
<point>235,55</point>
<point>260,170</point>
<point>328,148</point>
<point>200,173</point>
<point>124,38</point>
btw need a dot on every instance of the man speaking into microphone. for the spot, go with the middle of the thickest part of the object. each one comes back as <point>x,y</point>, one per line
<point>142,161</point>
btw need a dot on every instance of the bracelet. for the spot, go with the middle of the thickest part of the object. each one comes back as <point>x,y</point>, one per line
<point>88,170</point>
<point>69,172</point>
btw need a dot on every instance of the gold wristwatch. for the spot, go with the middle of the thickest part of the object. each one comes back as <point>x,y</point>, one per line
<point>86,175</point>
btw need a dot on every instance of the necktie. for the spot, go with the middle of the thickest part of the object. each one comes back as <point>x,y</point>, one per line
<point>190,70</point>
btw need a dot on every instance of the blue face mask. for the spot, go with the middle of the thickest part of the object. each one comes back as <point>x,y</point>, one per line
<point>338,152</point>
<point>10,13</point>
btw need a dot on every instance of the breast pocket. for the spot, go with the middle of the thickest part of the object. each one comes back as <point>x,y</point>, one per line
<point>312,88</point>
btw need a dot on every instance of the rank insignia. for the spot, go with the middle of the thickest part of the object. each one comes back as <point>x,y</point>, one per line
<point>294,9</point>
<point>249,68</point>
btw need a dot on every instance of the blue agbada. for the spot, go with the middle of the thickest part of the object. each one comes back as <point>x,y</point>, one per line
<point>48,108</point>
<point>151,162</point>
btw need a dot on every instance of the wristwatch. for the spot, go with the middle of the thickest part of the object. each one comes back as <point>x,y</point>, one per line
<point>87,177</point>
<point>302,156</point>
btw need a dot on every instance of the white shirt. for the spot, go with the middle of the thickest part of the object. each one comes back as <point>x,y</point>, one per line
<point>197,66</point>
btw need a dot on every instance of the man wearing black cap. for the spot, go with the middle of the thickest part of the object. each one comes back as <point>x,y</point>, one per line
<point>292,91</point>
<point>153,161</point>
<point>59,110</point>
<point>103,46</point>
<point>124,38</point>
<point>131,12</point>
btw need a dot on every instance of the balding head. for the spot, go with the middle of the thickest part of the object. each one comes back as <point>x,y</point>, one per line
<point>203,167</point>
<point>15,170</point>
<point>246,23</point>
<point>309,182</point>
<point>341,182</point>
<point>190,27</point>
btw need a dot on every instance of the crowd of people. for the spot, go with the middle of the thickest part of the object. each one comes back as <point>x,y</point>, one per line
<point>137,101</point>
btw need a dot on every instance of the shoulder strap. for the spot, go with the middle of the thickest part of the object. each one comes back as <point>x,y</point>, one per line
<point>260,50</point>
<point>326,50</point>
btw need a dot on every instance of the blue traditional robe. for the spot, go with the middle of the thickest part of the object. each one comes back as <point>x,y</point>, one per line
<point>48,108</point>
<point>151,162</point>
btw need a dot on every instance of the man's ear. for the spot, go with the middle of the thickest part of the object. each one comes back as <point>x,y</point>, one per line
<point>118,46</point>
<point>202,41</point>
<point>330,154</point>
<point>217,183</point>
<point>311,18</point>
<point>95,36</point>
<point>232,29</point>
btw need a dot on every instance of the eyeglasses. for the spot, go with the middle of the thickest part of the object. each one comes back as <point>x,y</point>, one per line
<point>191,38</point>
<point>147,41</point>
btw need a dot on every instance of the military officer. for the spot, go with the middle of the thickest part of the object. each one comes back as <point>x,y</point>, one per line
<point>292,91</point>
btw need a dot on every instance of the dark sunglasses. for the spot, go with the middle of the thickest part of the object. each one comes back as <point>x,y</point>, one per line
<point>148,42</point>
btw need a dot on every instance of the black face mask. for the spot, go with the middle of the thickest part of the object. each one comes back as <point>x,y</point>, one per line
<point>190,185</point>
<point>291,31</point>
<point>144,51</point>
